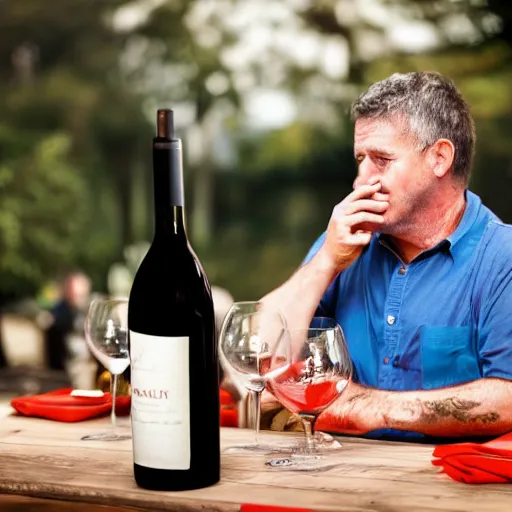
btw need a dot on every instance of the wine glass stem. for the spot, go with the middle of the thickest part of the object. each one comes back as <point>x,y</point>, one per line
<point>113,392</point>
<point>308,420</point>
<point>256,398</point>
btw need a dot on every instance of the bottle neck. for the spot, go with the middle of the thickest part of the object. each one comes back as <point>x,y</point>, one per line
<point>168,188</point>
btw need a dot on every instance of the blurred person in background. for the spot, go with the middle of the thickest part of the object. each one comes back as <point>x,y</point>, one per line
<point>68,315</point>
<point>416,270</point>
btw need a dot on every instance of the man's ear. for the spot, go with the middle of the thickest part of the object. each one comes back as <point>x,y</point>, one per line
<point>441,156</point>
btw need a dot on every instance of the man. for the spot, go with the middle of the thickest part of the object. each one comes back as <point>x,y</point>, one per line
<point>416,271</point>
<point>66,314</point>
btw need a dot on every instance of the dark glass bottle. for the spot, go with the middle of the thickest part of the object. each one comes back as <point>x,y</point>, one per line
<point>174,363</point>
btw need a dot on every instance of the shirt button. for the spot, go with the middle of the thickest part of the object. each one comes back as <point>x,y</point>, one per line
<point>386,360</point>
<point>401,271</point>
<point>391,319</point>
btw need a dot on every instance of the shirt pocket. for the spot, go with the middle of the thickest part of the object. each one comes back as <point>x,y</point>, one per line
<point>448,356</point>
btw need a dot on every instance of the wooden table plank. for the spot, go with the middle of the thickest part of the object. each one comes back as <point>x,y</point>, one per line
<point>14,503</point>
<point>47,460</point>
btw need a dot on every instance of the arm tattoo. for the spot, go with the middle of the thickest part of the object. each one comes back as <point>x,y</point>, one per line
<point>456,408</point>
<point>356,397</point>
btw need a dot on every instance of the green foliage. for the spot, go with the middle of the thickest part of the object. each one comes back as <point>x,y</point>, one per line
<point>275,204</point>
<point>41,214</point>
<point>70,141</point>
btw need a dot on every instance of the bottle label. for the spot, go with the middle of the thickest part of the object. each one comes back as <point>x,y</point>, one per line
<point>160,401</point>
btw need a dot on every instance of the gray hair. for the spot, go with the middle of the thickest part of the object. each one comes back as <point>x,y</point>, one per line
<point>432,106</point>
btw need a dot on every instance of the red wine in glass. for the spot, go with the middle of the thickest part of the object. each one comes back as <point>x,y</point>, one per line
<point>309,370</point>
<point>309,398</point>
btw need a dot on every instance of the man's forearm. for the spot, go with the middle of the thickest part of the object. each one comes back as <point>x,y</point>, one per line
<point>481,407</point>
<point>298,298</point>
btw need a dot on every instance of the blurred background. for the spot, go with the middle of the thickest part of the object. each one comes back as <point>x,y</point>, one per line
<point>261,91</point>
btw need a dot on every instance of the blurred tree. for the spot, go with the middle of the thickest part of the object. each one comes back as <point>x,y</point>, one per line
<point>275,204</point>
<point>42,208</point>
<point>58,62</point>
<point>42,211</point>
<point>59,72</point>
<point>184,40</point>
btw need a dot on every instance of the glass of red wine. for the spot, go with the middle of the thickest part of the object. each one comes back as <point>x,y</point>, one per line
<point>309,370</point>
<point>247,338</point>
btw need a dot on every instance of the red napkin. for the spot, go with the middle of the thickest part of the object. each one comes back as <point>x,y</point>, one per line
<point>474,463</point>
<point>254,507</point>
<point>59,405</point>
<point>228,410</point>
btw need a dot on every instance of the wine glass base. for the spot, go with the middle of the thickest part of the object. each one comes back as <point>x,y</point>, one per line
<point>325,443</point>
<point>302,462</point>
<point>243,449</point>
<point>106,436</point>
<point>319,457</point>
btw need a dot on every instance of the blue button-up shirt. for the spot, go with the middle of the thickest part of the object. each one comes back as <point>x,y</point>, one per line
<point>443,319</point>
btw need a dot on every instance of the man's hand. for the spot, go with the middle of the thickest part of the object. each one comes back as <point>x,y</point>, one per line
<point>269,402</point>
<point>354,412</point>
<point>351,225</point>
<point>349,230</point>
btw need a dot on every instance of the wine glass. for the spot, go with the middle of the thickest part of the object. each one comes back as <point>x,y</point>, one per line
<point>323,440</point>
<point>248,335</point>
<point>106,332</point>
<point>309,370</point>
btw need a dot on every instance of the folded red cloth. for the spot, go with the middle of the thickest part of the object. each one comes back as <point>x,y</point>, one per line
<point>255,507</point>
<point>501,446</point>
<point>228,410</point>
<point>474,463</point>
<point>225,397</point>
<point>229,417</point>
<point>59,405</point>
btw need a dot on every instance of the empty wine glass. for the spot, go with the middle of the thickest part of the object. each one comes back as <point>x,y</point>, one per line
<point>106,332</point>
<point>309,369</point>
<point>248,335</point>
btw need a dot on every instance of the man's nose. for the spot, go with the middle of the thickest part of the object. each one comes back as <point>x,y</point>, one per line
<point>365,171</point>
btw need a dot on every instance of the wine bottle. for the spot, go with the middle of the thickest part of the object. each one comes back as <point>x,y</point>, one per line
<point>174,362</point>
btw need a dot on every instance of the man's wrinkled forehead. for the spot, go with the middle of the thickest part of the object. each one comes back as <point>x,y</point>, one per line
<point>386,129</point>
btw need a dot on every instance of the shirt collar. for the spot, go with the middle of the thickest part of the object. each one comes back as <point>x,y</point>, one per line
<point>473,203</point>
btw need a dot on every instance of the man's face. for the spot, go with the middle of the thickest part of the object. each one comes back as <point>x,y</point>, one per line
<point>386,153</point>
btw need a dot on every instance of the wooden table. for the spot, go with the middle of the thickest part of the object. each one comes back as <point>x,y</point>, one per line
<point>43,461</point>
